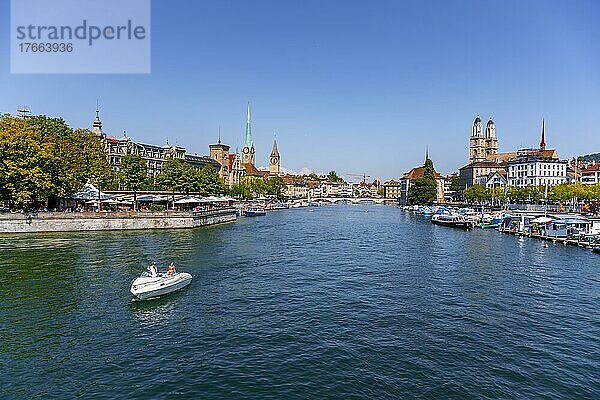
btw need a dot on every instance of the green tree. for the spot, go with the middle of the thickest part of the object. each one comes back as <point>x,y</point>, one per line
<point>476,193</point>
<point>172,177</point>
<point>333,177</point>
<point>209,182</point>
<point>454,182</point>
<point>24,176</point>
<point>499,194</point>
<point>133,174</point>
<point>241,191</point>
<point>421,192</point>
<point>275,186</point>
<point>424,190</point>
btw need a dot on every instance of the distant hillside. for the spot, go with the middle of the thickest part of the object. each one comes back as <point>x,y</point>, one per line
<point>589,157</point>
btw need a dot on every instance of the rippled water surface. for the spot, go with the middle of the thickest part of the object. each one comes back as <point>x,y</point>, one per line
<point>335,303</point>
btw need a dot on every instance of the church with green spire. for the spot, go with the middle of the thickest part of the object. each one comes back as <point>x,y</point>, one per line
<point>248,149</point>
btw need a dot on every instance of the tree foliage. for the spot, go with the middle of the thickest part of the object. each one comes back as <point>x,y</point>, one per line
<point>477,193</point>
<point>455,182</point>
<point>424,190</point>
<point>333,177</point>
<point>42,159</point>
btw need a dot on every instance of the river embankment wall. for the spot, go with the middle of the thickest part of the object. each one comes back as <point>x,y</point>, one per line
<point>107,221</point>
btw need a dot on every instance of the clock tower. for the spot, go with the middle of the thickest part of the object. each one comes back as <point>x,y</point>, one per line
<point>248,149</point>
<point>275,161</point>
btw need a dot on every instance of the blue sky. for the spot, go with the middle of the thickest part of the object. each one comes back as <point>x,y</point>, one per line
<point>354,86</point>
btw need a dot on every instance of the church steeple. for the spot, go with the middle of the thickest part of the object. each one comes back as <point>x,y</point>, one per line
<point>275,160</point>
<point>275,151</point>
<point>543,141</point>
<point>97,125</point>
<point>248,129</point>
<point>248,149</point>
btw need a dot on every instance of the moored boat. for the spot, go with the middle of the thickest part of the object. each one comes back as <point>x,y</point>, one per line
<point>452,220</point>
<point>254,211</point>
<point>148,287</point>
<point>596,249</point>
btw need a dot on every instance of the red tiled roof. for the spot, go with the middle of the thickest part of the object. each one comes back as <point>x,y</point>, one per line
<point>419,172</point>
<point>592,168</point>
<point>113,139</point>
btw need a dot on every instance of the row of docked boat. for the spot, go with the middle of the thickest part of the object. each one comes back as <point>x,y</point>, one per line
<point>464,218</point>
<point>260,208</point>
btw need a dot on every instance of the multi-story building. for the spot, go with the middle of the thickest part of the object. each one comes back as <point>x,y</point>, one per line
<point>538,167</point>
<point>338,189</point>
<point>534,169</point>
<point>391,189</point>
<point>591,175</point>
<point>470,173</point>
<point>155,156</point>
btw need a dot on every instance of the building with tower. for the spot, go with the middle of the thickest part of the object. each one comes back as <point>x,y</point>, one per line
<point>275,161</point>
<point>220,153</point>
<point>154,156</point>
<point>483,146</point>
<point>537,167</point>
<point>484,158</point>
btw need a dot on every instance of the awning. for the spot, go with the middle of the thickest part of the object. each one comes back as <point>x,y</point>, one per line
<point>188,200</point>
<point>542,220</point>
<point>572,221</point>
<point>151,197</point>
<point>90,192</point>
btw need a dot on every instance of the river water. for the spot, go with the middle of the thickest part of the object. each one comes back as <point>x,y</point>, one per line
<point>331,303</point>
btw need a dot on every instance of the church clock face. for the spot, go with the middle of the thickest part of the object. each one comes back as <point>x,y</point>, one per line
<point>274,160</point>
<point>246,150</point>
<point>252,151</point>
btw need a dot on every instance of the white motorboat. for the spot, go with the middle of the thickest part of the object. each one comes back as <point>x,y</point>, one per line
<point>147,287</point>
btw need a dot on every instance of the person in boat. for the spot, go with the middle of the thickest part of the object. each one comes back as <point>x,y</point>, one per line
<point>171,270</point>
<point>153,270</point>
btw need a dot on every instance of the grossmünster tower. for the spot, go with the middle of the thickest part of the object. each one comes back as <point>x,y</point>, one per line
<point>483,146</point>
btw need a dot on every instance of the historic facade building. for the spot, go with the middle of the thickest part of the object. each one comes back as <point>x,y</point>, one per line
<point>483,146</point>
<point>233,167</point>
<point>484,158</point>
<point>155,156</point>
<point>538,167</point>
<point>391,189</point>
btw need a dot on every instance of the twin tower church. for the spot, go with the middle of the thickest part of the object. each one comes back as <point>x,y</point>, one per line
<point>234,166</point>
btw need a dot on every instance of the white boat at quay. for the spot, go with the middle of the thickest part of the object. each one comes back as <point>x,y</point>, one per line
<point>147,287</point>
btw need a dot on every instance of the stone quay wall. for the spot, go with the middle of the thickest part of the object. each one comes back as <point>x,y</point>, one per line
<point>106,221</point>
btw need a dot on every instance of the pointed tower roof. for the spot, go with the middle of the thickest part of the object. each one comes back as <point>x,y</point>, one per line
<point>543,141</point>
<point>275,151</point>
<point>97,125</point>
<point>248,142</point>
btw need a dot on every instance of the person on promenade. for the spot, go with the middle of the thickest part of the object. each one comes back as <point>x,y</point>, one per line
<point>171,270</point>
<point>153,270</point>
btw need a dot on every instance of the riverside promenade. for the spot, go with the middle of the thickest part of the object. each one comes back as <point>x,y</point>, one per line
<point>106,221</point>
